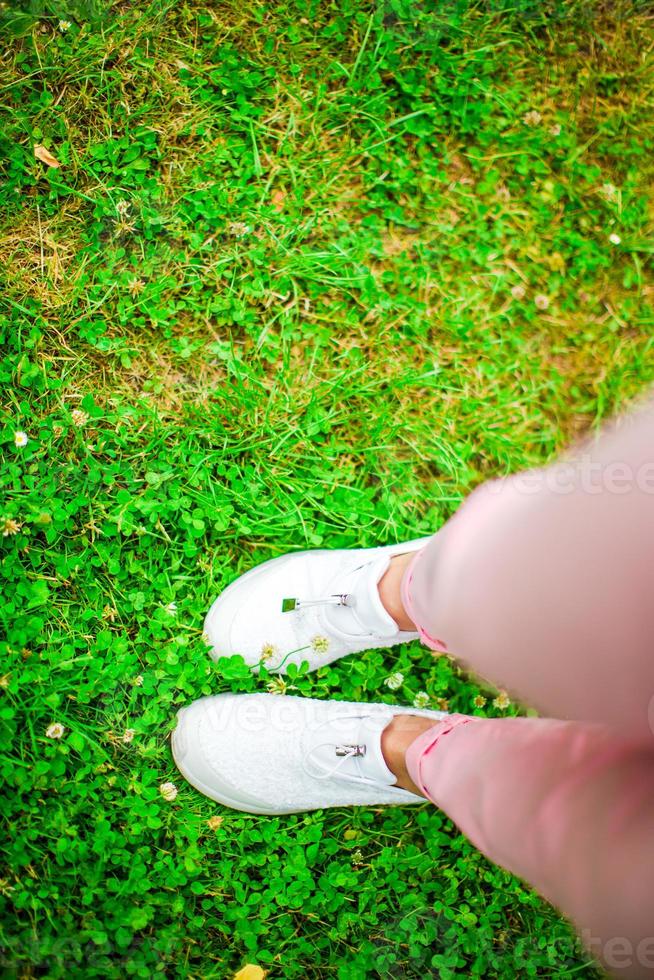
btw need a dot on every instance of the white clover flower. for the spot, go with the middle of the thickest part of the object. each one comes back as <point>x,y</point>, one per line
<point>79,418</point>
<point>421,700</point>
<point>555,130</point>
<point>123,208</point>
<point>138,681</point>
<point>9,526</point>
<point>320,644</point>
<point>20,439</point>
<point>277,686</point>
<point>128,736</point>
<point>56,730</point>
<point>168,791</point>
<point>518,292</point>
<point>171,608</point>
<point>532,118</point>
<point>239,229</point>
<point>213,823</point>
<point>609,191</point>
<point>541,301</point>
<point>268,650</point>
<point>614,239</point>
<point>395,681</point>
<point>64,25</point>
<point>502,700</point>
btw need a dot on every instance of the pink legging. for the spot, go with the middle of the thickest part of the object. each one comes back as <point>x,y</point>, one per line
<point>543,583</point>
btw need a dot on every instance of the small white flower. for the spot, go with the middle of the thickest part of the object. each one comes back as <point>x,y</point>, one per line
<point>614,239</point>
<point>168,791</point>
<point>609,191</point>
<point>206,638</point>
<point>239,229</point>
<point>268,650</point>
<point>56,730</point>
<point>277,686</point>
<point>502,700</point>
<point>79,418</point>
<point>128,736</point>
<point>532,118</point>
<point>555,130</point>
<point>518,292</point>
<point>320,644</point>
<point>9,526</point>
<point>64,25</point>
<point>171,608</point>
<point>20,439</point>
<point>542,302</point>
<point>123,208</point>
<point>138,681</point>
<point>421,700</point>
<point>395,681</point>
<point>214,823</point>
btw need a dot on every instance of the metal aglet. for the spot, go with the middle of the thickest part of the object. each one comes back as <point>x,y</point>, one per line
<point>290,604</point>
<point>353,751</point>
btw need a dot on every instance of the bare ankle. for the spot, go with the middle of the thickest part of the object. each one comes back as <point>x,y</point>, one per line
<point>396,739</point>
<point>390,591</point>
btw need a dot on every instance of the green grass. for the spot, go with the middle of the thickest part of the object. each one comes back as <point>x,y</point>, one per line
<point>312,322</point>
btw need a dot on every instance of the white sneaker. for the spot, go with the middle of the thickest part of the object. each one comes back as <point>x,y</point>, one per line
<point>268,753</point>
<point>308,605</point>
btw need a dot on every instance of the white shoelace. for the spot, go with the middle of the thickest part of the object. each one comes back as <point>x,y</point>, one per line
<point>346,752</point>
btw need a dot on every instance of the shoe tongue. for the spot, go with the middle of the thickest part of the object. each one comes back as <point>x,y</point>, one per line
<point>367,615</point>
<point>327,743</point>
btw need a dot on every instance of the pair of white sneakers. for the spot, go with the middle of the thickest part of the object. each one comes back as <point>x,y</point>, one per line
<point>267,754</point>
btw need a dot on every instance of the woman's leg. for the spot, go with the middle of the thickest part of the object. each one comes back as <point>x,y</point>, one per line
<point>544,582</point>
<point>568,806</point>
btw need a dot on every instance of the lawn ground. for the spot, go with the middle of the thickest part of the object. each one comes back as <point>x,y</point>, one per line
<point>307,273</point>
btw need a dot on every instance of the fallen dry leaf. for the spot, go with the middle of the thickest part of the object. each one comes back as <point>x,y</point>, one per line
<point>278,197</point>
<point>45,156</point>
<point>250,972</point>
